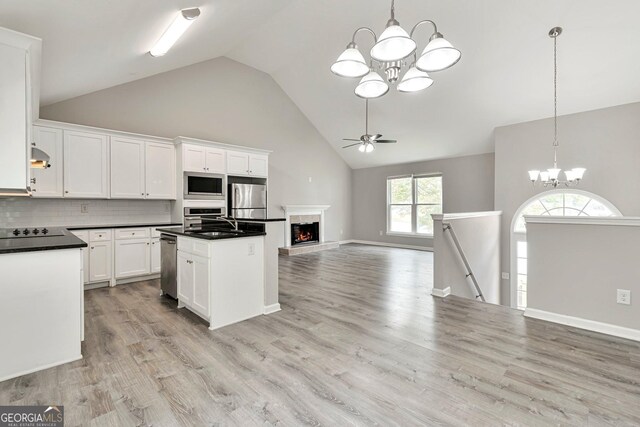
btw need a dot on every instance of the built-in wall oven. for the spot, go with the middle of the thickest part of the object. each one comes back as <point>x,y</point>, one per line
<point>204,186</point>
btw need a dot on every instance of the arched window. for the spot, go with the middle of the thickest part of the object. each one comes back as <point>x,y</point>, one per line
<point>552,203</point>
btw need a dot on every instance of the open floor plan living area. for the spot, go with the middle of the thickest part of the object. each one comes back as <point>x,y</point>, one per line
<point>327,213</point>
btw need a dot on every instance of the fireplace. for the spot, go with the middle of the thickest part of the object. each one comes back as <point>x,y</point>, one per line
<point>303,233</point>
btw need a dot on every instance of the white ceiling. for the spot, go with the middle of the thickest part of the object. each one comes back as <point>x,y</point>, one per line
<point>505,75</point>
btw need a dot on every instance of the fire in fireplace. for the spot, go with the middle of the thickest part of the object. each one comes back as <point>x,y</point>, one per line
<point>305,233</point>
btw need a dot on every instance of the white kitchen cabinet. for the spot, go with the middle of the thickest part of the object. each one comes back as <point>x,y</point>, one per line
<point>155,256</point>
<point>246,164</point>
<point>48,182</point>
<point>193,282</point>
<point>133,257</point>
<point>86,165</point>
<point>127,168</point>
<point>100,261</point>
<point>84,236</point>
<point>160,171</point>
<point>198,158</point>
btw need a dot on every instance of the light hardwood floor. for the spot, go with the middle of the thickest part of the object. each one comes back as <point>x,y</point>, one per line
<point>359,341</point>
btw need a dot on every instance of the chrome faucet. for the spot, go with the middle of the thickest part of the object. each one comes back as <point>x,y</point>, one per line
<point>233,223</point>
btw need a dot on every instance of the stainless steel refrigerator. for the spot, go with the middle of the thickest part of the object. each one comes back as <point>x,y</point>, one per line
<point>248,201</point>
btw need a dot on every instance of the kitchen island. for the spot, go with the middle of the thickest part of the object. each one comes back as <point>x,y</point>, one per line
<point>42,305</point>
<point>220,273</point>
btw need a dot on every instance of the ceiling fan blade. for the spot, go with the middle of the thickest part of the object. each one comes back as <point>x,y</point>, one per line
<point>351,145</point>
<point>350,139</point>
<point>386,141</point>
<point>374,137</point>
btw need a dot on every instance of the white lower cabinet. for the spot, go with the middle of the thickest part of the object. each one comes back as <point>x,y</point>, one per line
<point>155,255</point>
<point>99,261</point>
<point>133,257</point>
<point>194,282</point>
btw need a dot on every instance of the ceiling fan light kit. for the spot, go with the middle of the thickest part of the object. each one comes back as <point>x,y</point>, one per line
<point>551,177</point>
<point>389,54</point>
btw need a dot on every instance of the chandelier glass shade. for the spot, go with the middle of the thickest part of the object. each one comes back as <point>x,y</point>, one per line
<point>371,86</point>
<point>388,57</point>
<point>551,176</point>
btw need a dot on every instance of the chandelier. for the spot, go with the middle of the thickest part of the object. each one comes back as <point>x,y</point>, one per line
<point>551,177</point>
<point>389,55</point>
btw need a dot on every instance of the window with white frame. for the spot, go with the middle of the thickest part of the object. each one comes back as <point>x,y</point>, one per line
<point>411,199</point>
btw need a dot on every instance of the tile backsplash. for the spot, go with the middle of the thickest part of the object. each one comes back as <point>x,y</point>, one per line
<point>25,212</point>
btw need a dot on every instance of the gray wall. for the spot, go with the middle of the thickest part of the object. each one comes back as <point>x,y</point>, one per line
<point>225,101</point>
<point>467,187</point>
<point>606,142</point>
<point>575,270</point>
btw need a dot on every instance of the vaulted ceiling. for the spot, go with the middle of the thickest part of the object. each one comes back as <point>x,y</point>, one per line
<point>505,75</point>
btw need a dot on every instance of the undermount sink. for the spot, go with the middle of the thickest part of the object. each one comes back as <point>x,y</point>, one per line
<point>217,233</point>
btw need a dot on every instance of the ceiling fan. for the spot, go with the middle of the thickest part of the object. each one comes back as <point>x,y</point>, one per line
<point>367,141</point>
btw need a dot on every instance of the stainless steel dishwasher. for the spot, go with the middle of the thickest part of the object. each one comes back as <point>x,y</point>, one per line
<point>168,268</point>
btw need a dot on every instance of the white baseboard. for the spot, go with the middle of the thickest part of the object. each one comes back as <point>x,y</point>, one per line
<point>40,368</point>
<point>137,279</point>
<point>590,325</point>
<point>268,309</point>
<point>390,245</point>
<point>441,293</point>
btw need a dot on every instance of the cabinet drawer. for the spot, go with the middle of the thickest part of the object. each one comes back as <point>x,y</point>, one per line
<point>132,233</point>
<point>194,246</point>
<point>100,235</point>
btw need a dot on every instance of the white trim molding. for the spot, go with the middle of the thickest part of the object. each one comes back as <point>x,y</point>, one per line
<point>268,309</point>
<point>462,215</point>
<point>441,293</point>
<point>390,245</point>
<point>290,210</point>
<point>578,322</point>
<point>627,221</point>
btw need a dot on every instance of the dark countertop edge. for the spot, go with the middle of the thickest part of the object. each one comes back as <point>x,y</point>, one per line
<point>261,220</point>
<point>203,237</point>
<point>68,241</point>
<point>100,227</point>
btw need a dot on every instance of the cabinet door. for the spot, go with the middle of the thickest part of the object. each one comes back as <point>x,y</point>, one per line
<point>133,257</point>
<point>127,168</point>
<point>84,236</point>
<point>193,158</point>
<point>161,171</point>
<point>86,165</point>
<point>258,165</point>
<point>99,261</point>
<point>155,255</point>
<point>185,278</point>
<point>201,285</point>
<point>237,163</point>
<point>215,160</point>
<point>48,182</point>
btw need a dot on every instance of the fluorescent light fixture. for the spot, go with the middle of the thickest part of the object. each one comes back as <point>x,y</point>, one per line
<point>184,19</point>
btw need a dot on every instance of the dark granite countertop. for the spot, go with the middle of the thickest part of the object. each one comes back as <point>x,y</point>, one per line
<point>200,233</point>
<point>261,220</point>
<point>96,227</point>
<point>48,243</point>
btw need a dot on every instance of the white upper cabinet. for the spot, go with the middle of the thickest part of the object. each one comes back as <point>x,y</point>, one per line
<point>19,91</point>
<point>160,171</point>
<point>48,182</point>
<point>258,165</point>
<point>127,168</point>
<point>86,165</point>
<point>245,164</point>
<point>198,158</point>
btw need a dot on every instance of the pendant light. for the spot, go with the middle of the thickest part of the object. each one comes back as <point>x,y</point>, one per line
<point>414,80</point>
<point>394,43</point>
<point>371,86</point>
<point>551,177</point>
<point>350,63</point>
<point>438,55</point>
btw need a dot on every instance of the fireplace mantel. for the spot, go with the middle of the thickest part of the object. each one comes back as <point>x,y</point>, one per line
<point>290,210</point>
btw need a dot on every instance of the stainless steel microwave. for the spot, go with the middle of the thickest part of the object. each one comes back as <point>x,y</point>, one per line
<point>204,186</point>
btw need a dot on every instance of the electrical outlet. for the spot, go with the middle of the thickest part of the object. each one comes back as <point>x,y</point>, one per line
<point>505,276</point>
<point>624,296</point>
<point>84,208</point>
<point>252,248</point>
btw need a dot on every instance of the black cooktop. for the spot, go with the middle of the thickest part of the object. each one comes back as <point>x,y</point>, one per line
<point>21,233</point>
